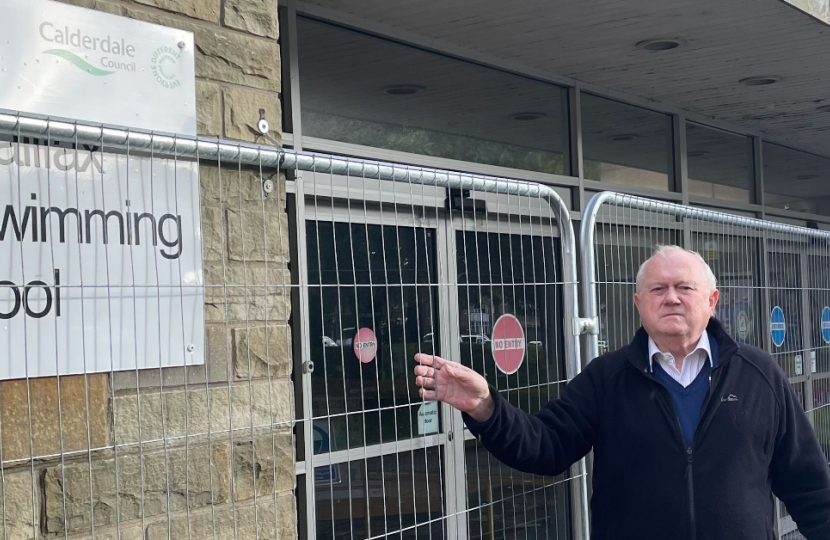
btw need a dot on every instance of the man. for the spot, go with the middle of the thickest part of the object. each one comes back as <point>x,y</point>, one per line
<point>692,432</point>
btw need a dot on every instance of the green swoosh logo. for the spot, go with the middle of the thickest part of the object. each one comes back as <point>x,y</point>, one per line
<point>79,62</point>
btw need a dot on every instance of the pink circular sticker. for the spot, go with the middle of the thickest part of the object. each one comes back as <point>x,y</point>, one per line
<point>508,344</point>
<point>365,345</point>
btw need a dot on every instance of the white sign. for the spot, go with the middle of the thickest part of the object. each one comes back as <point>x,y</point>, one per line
<point>799,365</point>
<point>428,418</point>
<point>812,361</point>
<point>100,266</point>
<point>66,61</point>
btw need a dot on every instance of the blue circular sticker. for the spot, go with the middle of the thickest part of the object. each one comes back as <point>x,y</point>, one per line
<point>825,324</point>
<point>777,326</point>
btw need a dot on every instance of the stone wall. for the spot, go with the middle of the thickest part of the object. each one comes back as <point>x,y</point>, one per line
<point>817,8</point>
<point>201,452</point>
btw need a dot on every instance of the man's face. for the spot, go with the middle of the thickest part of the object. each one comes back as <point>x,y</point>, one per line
<point>674,300</point>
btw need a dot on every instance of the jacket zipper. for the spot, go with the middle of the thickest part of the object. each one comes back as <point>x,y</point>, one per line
<point>690,483</point>
<point>689,451</point>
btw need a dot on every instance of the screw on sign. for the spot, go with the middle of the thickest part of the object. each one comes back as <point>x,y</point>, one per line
<point>508,344</point>
<point>365,345</point>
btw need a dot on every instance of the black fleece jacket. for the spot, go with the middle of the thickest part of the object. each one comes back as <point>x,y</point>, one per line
<point>753,440</point>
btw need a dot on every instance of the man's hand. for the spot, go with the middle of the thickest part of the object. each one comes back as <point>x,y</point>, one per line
<point>455,385</point>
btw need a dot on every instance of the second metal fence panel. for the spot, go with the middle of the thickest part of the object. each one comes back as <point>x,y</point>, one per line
<point>404,260</point>
<point>773,280</point>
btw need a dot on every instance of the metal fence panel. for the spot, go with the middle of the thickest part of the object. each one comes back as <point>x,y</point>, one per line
<point>181,420</point>
<point>388,259</point>
<point>768,274</point>
<point>158,403</point>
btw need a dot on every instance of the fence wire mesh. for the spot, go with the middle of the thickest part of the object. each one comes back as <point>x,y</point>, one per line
<point>773,280</point>
<point>145,299</point>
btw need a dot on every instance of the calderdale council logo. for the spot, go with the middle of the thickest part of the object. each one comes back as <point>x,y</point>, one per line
<point>160,64</point>
<point>111,48</point>
<point>78,62</point>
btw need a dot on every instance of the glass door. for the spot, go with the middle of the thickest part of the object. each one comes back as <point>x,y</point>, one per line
<point>373,303</point>
<point>510,329</point>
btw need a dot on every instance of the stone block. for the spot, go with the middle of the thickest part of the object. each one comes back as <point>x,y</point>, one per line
<point>267,463</point>
<point>46,435</point>
<point>21,519</point>
<point>258,18</point>
<point>272,519</point>
<point>206,10</point>
<point>172,21</point>
<point>97,5</point>
<point>217,360</point>
<point>214,241</point>
<point>151,484</point>
<point>189,412</point>
<point>208,109</point>
<point>262,352</point>
<point>257,236</point>
<point>243,292</point>
<point>242,108</point>
<point>235,58</point>
<point>233,187</point>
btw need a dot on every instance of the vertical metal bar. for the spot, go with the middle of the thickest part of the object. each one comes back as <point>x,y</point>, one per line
<point>681,160</point>
<point>577,164</point>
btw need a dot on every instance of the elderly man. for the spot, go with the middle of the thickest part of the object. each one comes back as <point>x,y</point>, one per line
<point>692,432</point>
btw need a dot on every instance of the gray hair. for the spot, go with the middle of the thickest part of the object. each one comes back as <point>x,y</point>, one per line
<point>708,275</point>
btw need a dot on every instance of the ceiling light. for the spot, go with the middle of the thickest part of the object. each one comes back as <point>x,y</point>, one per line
<point>806,176</point>
<point>403,89</point>
<point>760,81</point>
<point>698,153</point>
<point>660,44</point>
<point>527,116</point>
<point>623,137</point>
<point>824,108</point>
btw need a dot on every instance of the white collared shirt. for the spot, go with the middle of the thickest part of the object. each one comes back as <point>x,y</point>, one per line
<point>692,364</point>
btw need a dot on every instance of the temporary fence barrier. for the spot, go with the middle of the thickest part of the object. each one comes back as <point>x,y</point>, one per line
<point>178,329</point>
<point>773,278</point>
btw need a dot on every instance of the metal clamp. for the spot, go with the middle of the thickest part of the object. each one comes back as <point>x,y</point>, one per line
<point>585,326</point>
<point>308,367</point>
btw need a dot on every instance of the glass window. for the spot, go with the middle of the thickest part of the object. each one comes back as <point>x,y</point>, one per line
<point>720,164</point>
<point>372,306</point>
<point>796,180</point>
<point>626,145</point>
<point>370,91</point>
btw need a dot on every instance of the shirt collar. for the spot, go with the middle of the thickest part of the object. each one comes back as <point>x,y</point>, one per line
<point>702,344</point>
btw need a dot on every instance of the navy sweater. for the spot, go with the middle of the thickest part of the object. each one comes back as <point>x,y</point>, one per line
<point>753,439</point>
<point>689,400</point>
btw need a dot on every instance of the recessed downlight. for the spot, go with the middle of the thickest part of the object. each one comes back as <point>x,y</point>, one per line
<point>623,137</point>
<point>760,81</point>
<point>403,89</point>
<point>806,176</point>
<point>659,44</point>
<point>527,116</point>
<point>698,153</point>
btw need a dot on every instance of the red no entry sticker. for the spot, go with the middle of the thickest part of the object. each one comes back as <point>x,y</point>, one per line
<point>365,345</point>
<point>508,344</point>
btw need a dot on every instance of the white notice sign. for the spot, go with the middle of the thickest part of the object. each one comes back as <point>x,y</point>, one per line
<point>100,266</point>
<point>66,61</point>
<point>428,418</point>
